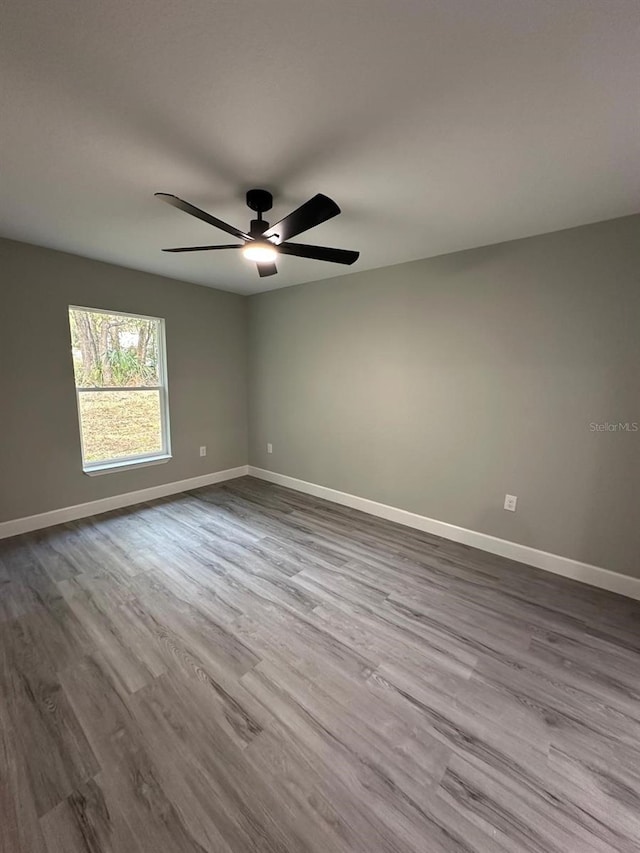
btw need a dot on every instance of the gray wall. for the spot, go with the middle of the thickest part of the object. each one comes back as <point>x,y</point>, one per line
<point>440,385</point>
<point>434,386</point>
<point>40,462</point>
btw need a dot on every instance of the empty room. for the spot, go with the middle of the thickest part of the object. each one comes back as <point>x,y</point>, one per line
<point>320,426</point>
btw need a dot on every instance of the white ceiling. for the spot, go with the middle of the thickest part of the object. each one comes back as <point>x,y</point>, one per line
<point>437,125</point>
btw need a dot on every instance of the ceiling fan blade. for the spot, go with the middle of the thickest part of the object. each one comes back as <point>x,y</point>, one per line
<point>174,201</point>
<point>266,269</point>
<point>205,248</point>
<point>318,209</point>
<point>319,253</point>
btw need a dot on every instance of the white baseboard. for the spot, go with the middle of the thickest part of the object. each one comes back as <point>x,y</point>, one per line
<point>71,513</point>
<point>594,575</point>
<point>584,572</point>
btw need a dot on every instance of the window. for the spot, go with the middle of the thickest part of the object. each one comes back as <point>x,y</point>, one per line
<point>121,386</point>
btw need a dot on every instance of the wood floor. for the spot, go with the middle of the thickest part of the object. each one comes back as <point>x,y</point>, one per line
<point>246,668</point>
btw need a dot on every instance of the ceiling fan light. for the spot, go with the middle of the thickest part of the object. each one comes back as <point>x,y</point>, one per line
<point>260,251</point>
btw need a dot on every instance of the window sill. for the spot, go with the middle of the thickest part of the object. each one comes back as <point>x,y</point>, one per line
<point>125,465</point>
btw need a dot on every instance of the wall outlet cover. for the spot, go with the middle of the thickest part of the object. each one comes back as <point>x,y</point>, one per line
<point>510,502</point>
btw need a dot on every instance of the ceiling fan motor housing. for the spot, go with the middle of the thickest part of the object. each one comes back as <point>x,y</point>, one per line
<point>258,227</point>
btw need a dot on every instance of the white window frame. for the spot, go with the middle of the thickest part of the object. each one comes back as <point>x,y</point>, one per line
<point>121,463</point>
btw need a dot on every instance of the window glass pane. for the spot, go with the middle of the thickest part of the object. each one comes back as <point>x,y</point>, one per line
<point>112,350</point>
<point>118,424</point>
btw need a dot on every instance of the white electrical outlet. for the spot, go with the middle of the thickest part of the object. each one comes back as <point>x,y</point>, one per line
<point>510,502</point>
<point>269,447</point>
<point>203,451</point>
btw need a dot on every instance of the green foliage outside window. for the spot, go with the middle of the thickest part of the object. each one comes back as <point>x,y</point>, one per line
<point>111,350</point>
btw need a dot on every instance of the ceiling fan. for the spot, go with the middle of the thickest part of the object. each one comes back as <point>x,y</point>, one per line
<point>263,243</point>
